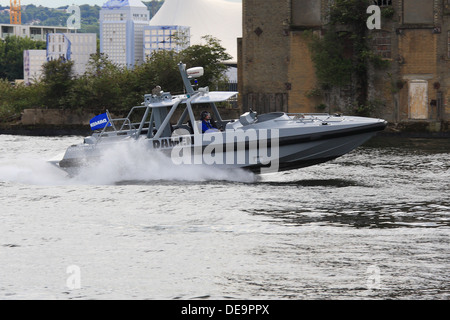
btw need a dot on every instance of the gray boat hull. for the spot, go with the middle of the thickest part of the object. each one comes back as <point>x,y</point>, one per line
<point>291,149</point>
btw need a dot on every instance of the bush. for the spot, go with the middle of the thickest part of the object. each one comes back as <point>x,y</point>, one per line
<point>109,86</point>
<point>14,99</point>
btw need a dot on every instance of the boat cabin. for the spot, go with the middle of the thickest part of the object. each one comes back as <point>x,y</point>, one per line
<point>153,119</point>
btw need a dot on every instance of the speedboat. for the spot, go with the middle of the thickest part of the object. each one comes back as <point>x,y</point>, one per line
<point>170,124</point>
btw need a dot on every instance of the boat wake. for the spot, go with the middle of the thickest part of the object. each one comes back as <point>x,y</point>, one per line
<point>133,161</point>
<point>31,171</point>
<point>128,163</point>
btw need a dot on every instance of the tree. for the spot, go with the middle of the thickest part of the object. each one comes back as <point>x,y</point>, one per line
<point>99,64</point>
<point>57,79</point>
<point>11,55</point>
<point>210,56</point>
<point>161,69</point>
<point>332,67</point>
<point>15,98</point>
<point>342,56</point>
<point>106,85</point>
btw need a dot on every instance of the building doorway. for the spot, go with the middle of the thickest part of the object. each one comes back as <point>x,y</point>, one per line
<point>418,100</point>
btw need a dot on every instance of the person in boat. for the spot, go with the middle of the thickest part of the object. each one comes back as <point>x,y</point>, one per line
<point>207,123</point>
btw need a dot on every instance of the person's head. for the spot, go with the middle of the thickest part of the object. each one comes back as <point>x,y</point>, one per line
<point>205,115</point>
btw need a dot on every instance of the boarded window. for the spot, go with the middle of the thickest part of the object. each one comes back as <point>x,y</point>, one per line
<point>381,43</point>
<point>418,11</point>
<point>306,13</point>
<point>382,3</point>
<point>418,100</point>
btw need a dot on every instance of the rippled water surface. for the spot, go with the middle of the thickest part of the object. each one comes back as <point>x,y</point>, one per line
<point>374,224</point>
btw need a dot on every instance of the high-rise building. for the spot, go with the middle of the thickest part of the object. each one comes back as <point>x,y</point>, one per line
<point>77,47</point>
<point>174,38</point>
<point>218,18</point>
<point>122,25</point>
<point>32,65</point>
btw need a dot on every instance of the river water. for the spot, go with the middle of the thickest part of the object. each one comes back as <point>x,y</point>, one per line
<point>374,224</point>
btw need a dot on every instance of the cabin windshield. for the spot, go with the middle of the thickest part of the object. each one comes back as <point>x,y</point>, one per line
<point>181,121</point>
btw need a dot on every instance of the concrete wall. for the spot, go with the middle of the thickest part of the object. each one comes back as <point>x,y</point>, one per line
<point>31,117</point>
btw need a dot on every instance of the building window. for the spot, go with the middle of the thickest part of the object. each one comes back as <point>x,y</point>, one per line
<point>418,12</point>
<point>383,3</point>
<point>306,13</point>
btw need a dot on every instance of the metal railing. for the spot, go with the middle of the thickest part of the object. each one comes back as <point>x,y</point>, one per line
<point>311,117</point>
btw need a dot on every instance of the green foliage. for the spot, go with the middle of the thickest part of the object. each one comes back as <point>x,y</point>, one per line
<point>387,12</point>
<point>366,109</point>
<point>349,12</point>
<point>151,76</point>
<point>6,109</point>
<point>321,107</point>
<point>44,16</point>
<point>57,80</point>
<point>11,55</point>
<point>13,99</point>
<point>316,92</point>
<point>102,86</point>
<point>342,55</point>
<point>332,67</point>
<point>209,56</point>
<point>109,86</point>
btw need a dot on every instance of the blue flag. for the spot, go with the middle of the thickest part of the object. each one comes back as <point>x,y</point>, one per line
<point>100,121</point>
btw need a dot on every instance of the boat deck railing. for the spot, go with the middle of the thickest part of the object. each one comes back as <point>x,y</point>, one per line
<point>121,127</point>
<point>313,117</point>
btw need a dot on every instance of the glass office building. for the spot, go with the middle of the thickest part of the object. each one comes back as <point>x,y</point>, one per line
<point>122,24</point>
<point>174,38</point>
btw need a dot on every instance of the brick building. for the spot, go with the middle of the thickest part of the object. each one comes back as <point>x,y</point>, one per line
<point>277,72</point>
